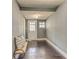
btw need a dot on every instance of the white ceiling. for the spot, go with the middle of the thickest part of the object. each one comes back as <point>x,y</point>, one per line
<point>39,3</point>
<point>36,14</point>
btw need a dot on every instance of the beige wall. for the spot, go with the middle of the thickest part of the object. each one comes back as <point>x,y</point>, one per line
<point>18,21</point>
<point>56,27</point>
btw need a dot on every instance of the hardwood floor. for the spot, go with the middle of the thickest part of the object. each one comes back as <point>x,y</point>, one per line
<point>41,50</point>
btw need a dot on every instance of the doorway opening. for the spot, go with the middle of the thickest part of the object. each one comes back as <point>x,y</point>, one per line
<point>36,29</point>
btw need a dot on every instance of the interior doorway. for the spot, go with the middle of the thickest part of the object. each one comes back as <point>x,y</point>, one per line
<point>36,29</point>
<point>41,28</point>
<point>32,29</point>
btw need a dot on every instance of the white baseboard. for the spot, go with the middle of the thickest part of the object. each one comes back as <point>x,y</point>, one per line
<point>58,49</point>
<point>38,39</point>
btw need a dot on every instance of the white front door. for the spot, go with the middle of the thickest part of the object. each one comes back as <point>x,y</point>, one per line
<point>32,29</point>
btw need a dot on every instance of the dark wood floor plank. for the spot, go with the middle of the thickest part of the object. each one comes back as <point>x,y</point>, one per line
<point>40,50</point>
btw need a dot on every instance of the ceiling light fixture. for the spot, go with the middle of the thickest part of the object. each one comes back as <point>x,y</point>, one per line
<point>36,16</point>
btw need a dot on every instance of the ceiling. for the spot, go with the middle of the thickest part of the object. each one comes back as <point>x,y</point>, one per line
<point>42,15</point>
<point>40,3</point>
<point>38,9</point>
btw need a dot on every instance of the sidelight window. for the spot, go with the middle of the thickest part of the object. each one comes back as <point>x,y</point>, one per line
<point>32,26</point>
<point>41,24</point>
